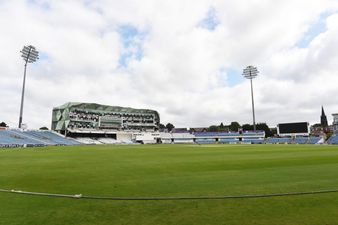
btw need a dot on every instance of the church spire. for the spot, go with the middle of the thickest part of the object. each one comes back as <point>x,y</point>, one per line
<point>323,119</point>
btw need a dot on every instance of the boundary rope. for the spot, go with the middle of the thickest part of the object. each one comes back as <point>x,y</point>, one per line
<point>80,196</point>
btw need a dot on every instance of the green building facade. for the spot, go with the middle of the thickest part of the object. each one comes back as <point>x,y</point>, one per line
<point>74,116</point>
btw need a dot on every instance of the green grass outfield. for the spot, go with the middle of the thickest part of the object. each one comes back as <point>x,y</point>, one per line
<point>170,170</point>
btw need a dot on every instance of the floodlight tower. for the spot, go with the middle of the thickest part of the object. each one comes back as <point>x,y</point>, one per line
<point>250,73</point>
<point>29,55</point>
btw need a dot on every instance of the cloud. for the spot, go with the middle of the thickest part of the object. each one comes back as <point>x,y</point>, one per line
<point>183,58</point>
<point>210,22</point>
<point>132,40</point>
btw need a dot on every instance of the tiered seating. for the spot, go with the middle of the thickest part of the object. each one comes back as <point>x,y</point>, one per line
<point>307,140</point>
<point>108,141</point>
<point>301,140</point>
<point>183,138</point>
<point>278,140</point>
<point>205,141</point>
<point>5,139</point>
<point>314,140</point>
<point>296,140</point>
<point>88,141</point>
<point>51,138</point>
<point>257,141</point>
<point>253,140</point>
<point>227,140</point>
<point>333,140</point>
<point>182,141</point>
<point>252,133</point>
<point>210,137</point>
<point>18,138</point>
<point>215,134</point>
<point>39,136</point>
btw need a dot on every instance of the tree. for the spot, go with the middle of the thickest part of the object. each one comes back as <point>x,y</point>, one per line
<point>3,124</point>
<point>247,127</point>
<point>161,126</point>
<point>265,127</point>
<point>43,128</point>
<point>222,127</point>
<point>169,126</point>
<point>259,126</point>
<point>273,131</point>
<point>213,128</point>
<point>234,126</point>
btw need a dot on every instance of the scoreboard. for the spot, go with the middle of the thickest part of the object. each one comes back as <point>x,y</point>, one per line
<point>291,129</point>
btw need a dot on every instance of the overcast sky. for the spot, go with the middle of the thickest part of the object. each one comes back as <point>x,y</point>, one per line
<point>183,58</point>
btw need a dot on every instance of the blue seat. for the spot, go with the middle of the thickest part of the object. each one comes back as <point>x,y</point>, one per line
<point>18,138</point>
<point>333,140</point>
<point>205,141</point>
<point>301,140</point>
<point>278,140</point>
<point>228,140</point>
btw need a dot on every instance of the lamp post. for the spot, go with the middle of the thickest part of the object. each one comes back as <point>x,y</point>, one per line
<point>29,55</point>
<point>250,73</point>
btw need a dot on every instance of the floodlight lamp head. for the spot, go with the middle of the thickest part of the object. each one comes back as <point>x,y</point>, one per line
<point>29,54</point>
<point>250,72</point>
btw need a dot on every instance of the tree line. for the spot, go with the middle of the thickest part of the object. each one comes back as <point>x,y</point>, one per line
<point>233,126</point>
